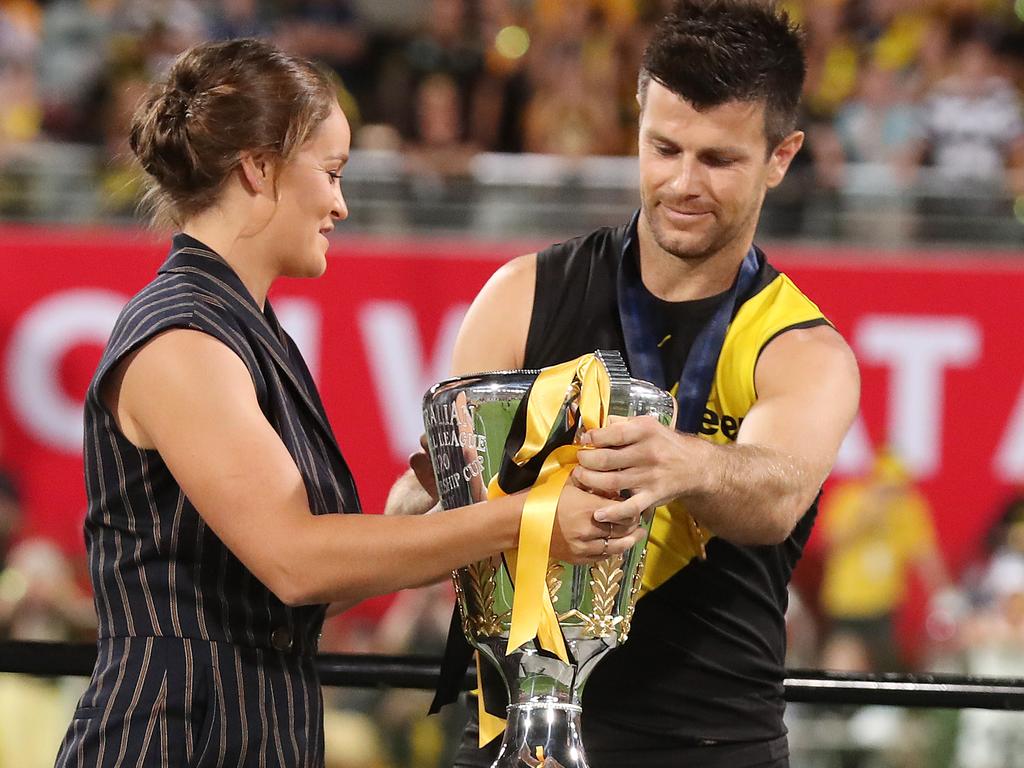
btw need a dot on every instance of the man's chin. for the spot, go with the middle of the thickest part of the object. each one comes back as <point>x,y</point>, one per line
<point>686,247</point>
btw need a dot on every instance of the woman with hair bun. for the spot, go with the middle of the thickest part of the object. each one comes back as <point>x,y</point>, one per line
<point>212,472</point>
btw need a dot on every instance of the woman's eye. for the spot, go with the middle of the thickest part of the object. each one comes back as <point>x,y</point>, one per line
<point>335,176</point>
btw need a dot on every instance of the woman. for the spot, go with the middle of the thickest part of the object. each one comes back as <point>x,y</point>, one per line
<point>210,465</point>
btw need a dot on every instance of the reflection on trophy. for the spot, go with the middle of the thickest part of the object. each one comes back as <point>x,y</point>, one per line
<point>544,624</point>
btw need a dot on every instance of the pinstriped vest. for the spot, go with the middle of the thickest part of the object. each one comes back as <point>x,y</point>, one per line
<point>156,568</point>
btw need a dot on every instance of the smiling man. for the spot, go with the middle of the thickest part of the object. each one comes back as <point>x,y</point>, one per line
<point>766,390</point>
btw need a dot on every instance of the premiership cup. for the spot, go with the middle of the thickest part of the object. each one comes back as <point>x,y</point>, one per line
<point>468,421</point>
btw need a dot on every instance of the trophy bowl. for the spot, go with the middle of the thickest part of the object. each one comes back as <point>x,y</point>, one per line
<point>468,422</point>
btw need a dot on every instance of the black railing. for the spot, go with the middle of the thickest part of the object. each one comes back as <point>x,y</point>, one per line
<point>379,671</point>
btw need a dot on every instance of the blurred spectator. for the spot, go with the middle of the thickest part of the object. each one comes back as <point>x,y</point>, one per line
<point>328,31</point>
<point>39,601</point>
<point>438,159</point>
<point>11,515</point>
<point>868,154</point>
<point>878,127</point>
<point>39,597</point>
<point>20,112</point>
<point>439,150</point>
<point>239,18</point>
<point>161,28</point>
<point>993,640</point>
<point>118,178</point>
<point>575,109</point>
<point>503,87</point>
<point>831,58</point>
<point>76,36</point>
<point>567,115</point>
<point>972,121</point>
<point>445,45</point>
<point>973,142</point>
<point>893,31</point>
<point>876,531</point>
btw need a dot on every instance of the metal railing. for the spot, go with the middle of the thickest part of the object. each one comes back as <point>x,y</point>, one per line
<point>380,671</point>
<point>544,195</point>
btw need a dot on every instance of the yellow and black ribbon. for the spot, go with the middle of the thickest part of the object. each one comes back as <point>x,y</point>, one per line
<point>539,454</point>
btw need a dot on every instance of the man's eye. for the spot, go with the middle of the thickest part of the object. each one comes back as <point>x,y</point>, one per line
<point>335,176</point>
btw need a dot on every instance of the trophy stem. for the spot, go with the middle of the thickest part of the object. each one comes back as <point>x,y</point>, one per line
<point>542,735</point>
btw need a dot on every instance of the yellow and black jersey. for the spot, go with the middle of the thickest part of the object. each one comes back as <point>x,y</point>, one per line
<point>704,661</point>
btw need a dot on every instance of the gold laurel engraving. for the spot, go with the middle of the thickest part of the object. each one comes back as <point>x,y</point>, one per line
<point>460,600</point>
<point>605,581</point>
<point>554,579</point>
<point>638,579</point>
<point>482,582</point>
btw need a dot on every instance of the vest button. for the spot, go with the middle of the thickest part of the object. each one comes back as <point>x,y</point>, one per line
<point>281,639</point>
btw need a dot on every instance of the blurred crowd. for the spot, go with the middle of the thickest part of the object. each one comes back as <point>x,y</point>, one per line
<point>894,86</point>
<point>882,599</point>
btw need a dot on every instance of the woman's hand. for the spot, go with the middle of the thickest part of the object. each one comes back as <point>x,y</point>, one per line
<point>578,538</point>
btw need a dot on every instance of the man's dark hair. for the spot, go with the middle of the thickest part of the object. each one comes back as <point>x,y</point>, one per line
<point>711,52</point>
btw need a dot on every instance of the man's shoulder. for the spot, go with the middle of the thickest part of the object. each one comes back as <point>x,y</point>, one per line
<point>597,242</point>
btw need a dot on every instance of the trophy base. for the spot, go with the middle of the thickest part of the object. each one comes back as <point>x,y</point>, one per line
<point>542,735</point>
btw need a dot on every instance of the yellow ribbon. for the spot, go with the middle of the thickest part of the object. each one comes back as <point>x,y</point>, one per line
<point>585,382</point>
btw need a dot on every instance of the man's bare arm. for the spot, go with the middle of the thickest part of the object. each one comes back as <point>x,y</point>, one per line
<point>754,491</point>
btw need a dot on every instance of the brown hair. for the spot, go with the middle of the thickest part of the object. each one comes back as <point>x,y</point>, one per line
<point>711,52</point>
<point>218,100</point>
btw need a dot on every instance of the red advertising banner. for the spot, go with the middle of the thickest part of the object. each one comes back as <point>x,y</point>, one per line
<point>938,339</point>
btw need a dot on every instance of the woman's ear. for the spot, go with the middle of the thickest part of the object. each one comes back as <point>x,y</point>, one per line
<point>256,172</point>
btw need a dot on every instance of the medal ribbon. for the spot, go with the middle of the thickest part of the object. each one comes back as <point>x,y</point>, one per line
<point>637,311</point>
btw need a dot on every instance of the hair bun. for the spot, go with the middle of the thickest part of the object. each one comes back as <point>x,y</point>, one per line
<point>160,138</point>
<point>220,99</point>
<point>177,104</point>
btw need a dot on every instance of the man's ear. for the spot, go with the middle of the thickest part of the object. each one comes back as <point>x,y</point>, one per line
<point>782,156</point>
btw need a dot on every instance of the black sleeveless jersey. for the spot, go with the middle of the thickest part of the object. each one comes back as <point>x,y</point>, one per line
<point>704,661</point>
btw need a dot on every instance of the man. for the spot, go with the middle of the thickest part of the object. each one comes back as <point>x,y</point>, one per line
<point>766,387</point>
<point>878,532</point>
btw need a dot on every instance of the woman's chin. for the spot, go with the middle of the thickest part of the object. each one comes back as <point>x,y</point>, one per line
<point>314,265</point>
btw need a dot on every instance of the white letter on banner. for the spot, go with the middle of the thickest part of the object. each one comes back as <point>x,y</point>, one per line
<point>302,319</point>
<point>1009,460</point>
<point>917,350</point>
<point>395,352</point>
<point>855,454</point>
<point>39,342</point>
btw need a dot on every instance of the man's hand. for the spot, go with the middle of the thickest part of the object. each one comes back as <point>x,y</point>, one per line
<point>639,455</point>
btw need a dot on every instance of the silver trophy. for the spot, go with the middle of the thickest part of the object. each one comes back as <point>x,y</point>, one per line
<point>468,420</point>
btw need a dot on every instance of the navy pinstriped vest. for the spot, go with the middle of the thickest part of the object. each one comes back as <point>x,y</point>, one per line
<point>199,663</point>
<point>155,566</point>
